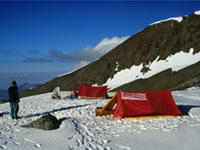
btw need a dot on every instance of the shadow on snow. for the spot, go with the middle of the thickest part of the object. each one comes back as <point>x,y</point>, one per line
<point>186,108</point>
<point>183,108</point>
<point>53,111</point>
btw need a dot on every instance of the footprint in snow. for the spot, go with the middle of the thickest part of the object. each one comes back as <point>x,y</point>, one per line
<point>37,145</point>
<point>194,125</point>
<point>123,147</point>
<point>17,143</point>
<point>12,137</point>
<point>3,147</point>
<point>31,142</point>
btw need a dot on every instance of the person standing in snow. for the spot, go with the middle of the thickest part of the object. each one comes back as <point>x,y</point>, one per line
<point>14,100</point>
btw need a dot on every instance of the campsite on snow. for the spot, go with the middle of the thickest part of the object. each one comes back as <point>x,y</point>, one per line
<point>81,129</point>
<point>146,97</point>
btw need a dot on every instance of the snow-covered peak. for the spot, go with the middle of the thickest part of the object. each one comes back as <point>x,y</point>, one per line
<point>179,19</point>
<point>197,12</point>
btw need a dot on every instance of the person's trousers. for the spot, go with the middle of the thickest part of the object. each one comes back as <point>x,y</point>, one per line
<point>14,108</point>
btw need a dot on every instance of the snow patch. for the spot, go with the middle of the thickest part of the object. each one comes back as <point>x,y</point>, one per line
<point>176,62</point>
<point>179,19</point>
<point>117,66</point>
<point>197,12</point>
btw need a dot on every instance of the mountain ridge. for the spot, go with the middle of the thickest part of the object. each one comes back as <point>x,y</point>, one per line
<point>158,40</point>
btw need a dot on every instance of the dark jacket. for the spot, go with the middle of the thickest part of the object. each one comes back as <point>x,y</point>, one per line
<point>13,94</point>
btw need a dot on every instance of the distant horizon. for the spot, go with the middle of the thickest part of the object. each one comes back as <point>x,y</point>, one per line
<point>43,39</point>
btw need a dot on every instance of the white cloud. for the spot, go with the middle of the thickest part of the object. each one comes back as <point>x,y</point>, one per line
<point>90,54</point>
<point>107,44</point>
<point>81,64</point>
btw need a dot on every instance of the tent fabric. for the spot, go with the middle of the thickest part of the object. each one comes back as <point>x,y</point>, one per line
<point>132,104</point>
<point>56,93</point>
<point>86,91</point>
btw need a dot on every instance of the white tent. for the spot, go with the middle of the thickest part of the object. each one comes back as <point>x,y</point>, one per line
<point>56,93</point>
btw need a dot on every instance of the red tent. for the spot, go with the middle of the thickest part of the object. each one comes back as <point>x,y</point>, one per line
<point>132,104</point>
<point>86,91</point>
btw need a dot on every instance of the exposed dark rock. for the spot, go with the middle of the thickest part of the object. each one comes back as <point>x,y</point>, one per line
<point>145,69</point>
<point>46,122</point>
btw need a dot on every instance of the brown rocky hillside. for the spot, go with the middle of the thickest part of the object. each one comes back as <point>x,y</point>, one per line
<point>162,39</point>
<point>183,79</point>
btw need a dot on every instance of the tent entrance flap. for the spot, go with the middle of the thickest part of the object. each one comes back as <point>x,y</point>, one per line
<point>107,109</point>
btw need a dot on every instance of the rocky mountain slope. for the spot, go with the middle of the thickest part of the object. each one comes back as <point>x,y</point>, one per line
<point>157,40</point>
<point>183,79</point>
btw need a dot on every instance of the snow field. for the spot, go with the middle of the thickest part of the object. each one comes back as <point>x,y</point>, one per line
<point>81,129</point>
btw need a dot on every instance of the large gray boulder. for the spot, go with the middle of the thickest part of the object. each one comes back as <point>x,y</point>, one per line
<point>46,122</point>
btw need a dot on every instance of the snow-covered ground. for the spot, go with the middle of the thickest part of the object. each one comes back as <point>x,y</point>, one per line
<point>80,129</point>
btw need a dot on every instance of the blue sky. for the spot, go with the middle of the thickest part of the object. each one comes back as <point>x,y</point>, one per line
<point>42,39</point>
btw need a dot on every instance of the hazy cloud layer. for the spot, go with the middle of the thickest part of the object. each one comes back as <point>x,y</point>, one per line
<point>35,52</point>
<point>21,76</point>
<point>88,54</point>
<point>78,59</point>
<point>81,58</point>
<point>37,60</point>
<point>35,56</point>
